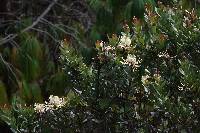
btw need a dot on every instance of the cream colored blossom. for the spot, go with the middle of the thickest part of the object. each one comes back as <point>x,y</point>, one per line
<point>109,48</point>
<point>54,103</point>
<point>125,41</point>
<point>39,108</point>
<point>131,60</point>
<point>54,100</point>
<point>145,79</point>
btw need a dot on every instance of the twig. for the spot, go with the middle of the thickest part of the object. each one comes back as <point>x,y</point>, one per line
<point>74,36</point>
<point>45,32</point>
<point>8,67</point>
<point>12,36</point>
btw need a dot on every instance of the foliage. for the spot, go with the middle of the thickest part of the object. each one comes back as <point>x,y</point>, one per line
<point>28,62</point>
<point>18,116</point>
<point>144,80</point>
<point>111,14</point>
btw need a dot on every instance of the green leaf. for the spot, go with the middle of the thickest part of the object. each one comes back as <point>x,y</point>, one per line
<point>36,92</point>
<point>138,8</point>
<point>181,71</point>
<point>3,94</point>
<point>104,103</point>
<point>26,91</point>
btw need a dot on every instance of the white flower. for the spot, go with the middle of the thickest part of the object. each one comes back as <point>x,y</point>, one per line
<point>40,108</point>
<point>56,101</point>
<point>49,107</point>
<point>163,54</point>
<point>131,60</point>
<point>125,41</point>
<point>108,48</point>
<point>145,79</point>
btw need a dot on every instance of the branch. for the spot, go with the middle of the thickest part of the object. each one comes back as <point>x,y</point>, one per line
<point>12,36</point>
<point>8,67</point>
<point>45,32</point>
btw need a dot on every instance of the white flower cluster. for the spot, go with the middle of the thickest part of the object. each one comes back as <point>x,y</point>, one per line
<point>54,103</point>
<point>131,60</point>
<point>40,108</point>
<point>125,41</point>
<point>103,47</point>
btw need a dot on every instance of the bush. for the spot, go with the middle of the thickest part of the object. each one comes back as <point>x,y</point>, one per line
<point>145,80</point>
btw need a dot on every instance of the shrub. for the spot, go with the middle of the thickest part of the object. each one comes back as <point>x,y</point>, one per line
<point>144,80</point>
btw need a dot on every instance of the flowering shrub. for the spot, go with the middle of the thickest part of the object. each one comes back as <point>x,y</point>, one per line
<point>144,80</point>
<point>141,81</point>
<point>54,103</point>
